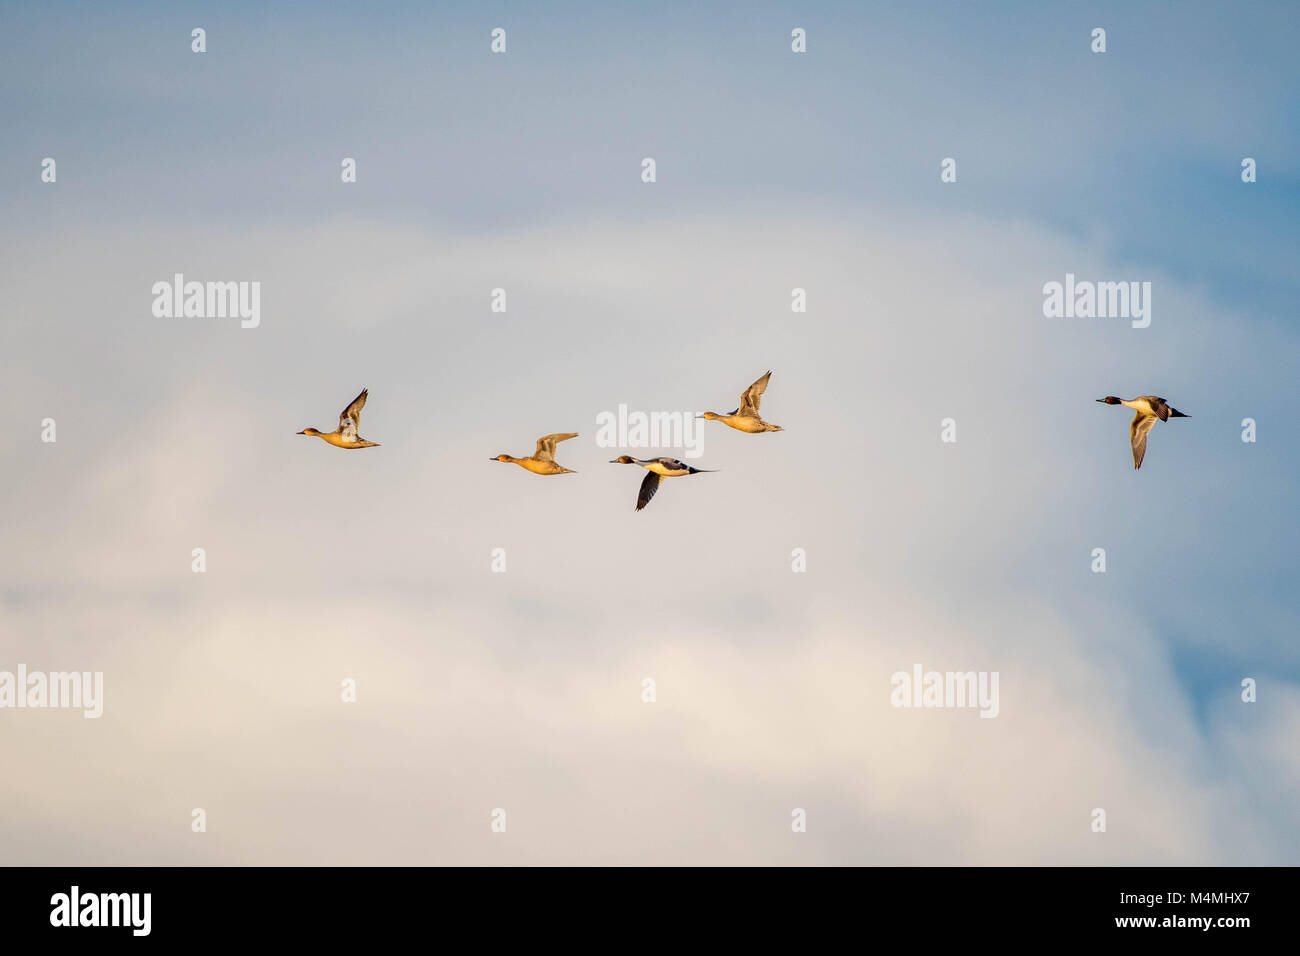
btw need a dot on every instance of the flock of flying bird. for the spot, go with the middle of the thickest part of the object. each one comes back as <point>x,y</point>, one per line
<point>745,418</point>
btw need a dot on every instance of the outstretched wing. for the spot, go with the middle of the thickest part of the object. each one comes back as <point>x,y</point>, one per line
<point>751,397</point>
<point>1137,431</point>
<point>546,445</point>
<point>648,488</point>
<point>350,417</point>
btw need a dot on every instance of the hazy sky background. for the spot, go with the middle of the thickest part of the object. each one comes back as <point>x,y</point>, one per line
<point>522,690</point>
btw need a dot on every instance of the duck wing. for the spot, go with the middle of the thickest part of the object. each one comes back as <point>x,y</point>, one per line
<point>1137,431</point>
<point>752,396</point>
<point>1159,406</point>
<point>546,445</point>
<point>350,417</point>
<point>649,485</point>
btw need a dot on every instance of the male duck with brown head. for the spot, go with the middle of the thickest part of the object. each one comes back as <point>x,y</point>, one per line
<point>1147,408</point>
<point>746,417</point>
<point>657,468</point>
<point>542,461</point>
<point>345,436</point>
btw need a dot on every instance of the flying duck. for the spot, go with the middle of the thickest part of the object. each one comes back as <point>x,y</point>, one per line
<point>542,461</point>
<point>1148,408</point>
<point>345,436</point>
<point>746,417</point>
<point>657,468</point>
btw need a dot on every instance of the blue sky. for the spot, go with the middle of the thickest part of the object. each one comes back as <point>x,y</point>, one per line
<point>1135,145</point>
<point>775,170</point>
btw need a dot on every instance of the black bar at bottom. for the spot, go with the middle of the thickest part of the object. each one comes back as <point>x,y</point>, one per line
<point>301,904</point>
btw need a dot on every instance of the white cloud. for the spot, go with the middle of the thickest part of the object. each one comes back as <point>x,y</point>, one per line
<point>522,690</point>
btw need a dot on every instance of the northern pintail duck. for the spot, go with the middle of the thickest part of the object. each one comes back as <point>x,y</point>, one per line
<point>345,436</point>
<point>746,417</point>
<point>542,461</point>
<point>1148,409</point>
<point>656,468</point>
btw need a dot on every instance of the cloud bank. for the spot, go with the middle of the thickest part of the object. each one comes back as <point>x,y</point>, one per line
<point>522,690</point>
